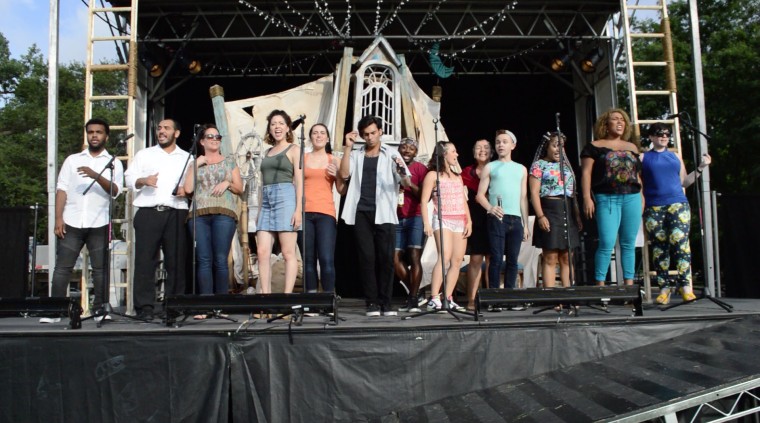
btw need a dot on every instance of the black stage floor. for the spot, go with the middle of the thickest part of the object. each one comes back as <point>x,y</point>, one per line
<point>510,366</point>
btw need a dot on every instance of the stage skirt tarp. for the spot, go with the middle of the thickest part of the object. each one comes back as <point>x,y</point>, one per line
<point>174,376</point>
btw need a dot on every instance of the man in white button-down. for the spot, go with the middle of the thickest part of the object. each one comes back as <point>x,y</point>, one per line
<point>156,175</point>
<point>82,219</point>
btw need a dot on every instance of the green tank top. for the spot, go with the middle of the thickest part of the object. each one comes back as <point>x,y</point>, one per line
<point>277,169</point>
<point>506,179</point>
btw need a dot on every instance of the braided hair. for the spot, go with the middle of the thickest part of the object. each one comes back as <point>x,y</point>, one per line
<point>543,148</point>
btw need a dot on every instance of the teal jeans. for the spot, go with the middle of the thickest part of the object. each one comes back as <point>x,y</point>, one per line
<point>617,215</point>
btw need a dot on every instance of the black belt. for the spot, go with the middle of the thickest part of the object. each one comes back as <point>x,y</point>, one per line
<point>161,208</point>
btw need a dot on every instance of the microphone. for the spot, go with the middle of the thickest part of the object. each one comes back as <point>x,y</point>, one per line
<point>399,169</point>
<point>196,127</point>
<point>674,115</point>
<point>123,139</point>
<point>297,122</point>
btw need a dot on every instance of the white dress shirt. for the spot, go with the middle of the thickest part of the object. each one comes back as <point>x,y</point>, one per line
<point>386,191</point>
<point>169,167</point>
<point>90,210</point>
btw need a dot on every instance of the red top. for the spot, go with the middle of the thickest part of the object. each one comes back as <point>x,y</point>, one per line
<point>411,205</point>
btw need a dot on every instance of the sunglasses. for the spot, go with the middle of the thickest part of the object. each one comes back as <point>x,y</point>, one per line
<point>662,134</point>
<point>213,137</point>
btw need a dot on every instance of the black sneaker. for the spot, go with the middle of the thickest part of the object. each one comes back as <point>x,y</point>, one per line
<point>411,306</point>
<point>146,314</point>
<point>373,310</point>
<point>388,311</point>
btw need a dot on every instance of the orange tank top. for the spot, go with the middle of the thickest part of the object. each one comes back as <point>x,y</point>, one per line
<point>318,188</point>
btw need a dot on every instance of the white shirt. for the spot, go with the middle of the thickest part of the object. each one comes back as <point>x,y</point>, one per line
<point>386,191</point>
<point>170,168</point>
<point>89,210</point>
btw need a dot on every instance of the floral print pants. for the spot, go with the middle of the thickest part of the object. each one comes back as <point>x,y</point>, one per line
<point>668,229</point>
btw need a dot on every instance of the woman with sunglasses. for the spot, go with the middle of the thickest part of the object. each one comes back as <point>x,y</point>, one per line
<point>667,216</point>
<point>216,204</point>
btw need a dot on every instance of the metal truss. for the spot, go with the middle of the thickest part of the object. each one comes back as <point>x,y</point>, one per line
<point>306,37</point>
<point>723,405</point>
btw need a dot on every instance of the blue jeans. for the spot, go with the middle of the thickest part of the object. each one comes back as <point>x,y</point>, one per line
<point>409,233</point>
<point>213,239</point>
<point>505,238</point>
<point>617,215</point>
<point>320,230</point>
<point>66,256</point>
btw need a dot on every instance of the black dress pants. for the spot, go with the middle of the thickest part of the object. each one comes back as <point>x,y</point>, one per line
<point>374,247</point>
<point>166,230</point>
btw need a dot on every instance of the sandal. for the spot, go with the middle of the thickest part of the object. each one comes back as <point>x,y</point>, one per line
<point>664,297</point>
<point>687,296</point>
<point>200,317</point>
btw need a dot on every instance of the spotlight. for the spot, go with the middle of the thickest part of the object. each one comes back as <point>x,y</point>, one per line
<point>189,62</point>
<point>152,60</point>
<point>559,64</point>
<point>437,93</point>
<point>588,64</point>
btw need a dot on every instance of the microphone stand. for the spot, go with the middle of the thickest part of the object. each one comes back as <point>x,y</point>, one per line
<point>698,188</point>
<point>565,204</point>
<point>32,273</point>
<point>445,305</point>
<point>194,210</point>
<point>106,309</point>
<point>303,200</point>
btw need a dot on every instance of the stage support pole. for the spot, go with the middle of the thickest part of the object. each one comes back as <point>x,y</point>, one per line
<point>52,135</point>
<point>699,93</point>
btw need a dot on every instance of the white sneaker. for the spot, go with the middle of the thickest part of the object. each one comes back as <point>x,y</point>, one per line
<point>50,319</point>
<point>454,306</point>
<point>99,318</point>
<point>250,291</point>
<point>434,304</point>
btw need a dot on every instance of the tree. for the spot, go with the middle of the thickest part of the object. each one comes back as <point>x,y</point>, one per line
<point>23,122</point>
<point>730,38</point>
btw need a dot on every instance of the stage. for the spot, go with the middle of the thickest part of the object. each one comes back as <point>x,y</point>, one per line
<point>510,365</point>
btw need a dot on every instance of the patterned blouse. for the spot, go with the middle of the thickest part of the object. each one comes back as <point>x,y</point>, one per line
<point>614,171</point>
<point>208,177</point>
<point>551,184</point>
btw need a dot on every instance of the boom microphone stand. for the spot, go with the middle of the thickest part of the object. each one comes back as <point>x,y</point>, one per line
<point>194,211</point>
<point>445,305</point>
<point>698,188</point>
<point>33,267</point>
<point>565,204</point>
<point>106,310</point>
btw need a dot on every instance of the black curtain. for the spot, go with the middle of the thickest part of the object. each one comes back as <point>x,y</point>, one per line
<point>14,244</point>
<point>739,231</point>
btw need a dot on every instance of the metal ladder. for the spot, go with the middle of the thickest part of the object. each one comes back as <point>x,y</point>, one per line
<point>669,90</point>
<point>120,29</point>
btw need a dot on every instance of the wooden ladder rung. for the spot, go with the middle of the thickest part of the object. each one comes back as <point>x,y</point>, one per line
<point>109,68</point>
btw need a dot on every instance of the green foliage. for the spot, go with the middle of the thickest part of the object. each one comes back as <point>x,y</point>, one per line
<point>730,38</point>
<point>23,122</point>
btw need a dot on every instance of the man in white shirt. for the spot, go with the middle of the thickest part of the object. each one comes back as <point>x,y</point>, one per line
<point>156,175</point>
<point>375,171</point>
<point>83,219</point>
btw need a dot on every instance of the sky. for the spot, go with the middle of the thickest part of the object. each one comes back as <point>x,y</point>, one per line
<point>26,22</point>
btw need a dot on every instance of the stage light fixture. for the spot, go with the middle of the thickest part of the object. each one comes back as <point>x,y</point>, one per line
<point>437,93</point>
<point>558,64</point>
<point>152,60</point>
<point>589,63</point>
<point>550,297</point>
<point>285,304</point>
<point>189,61</point>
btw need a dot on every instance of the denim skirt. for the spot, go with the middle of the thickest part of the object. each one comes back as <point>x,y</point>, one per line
<point>278,203</point>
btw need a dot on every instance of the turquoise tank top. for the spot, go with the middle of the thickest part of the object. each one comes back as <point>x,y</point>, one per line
<point>506,179</point>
